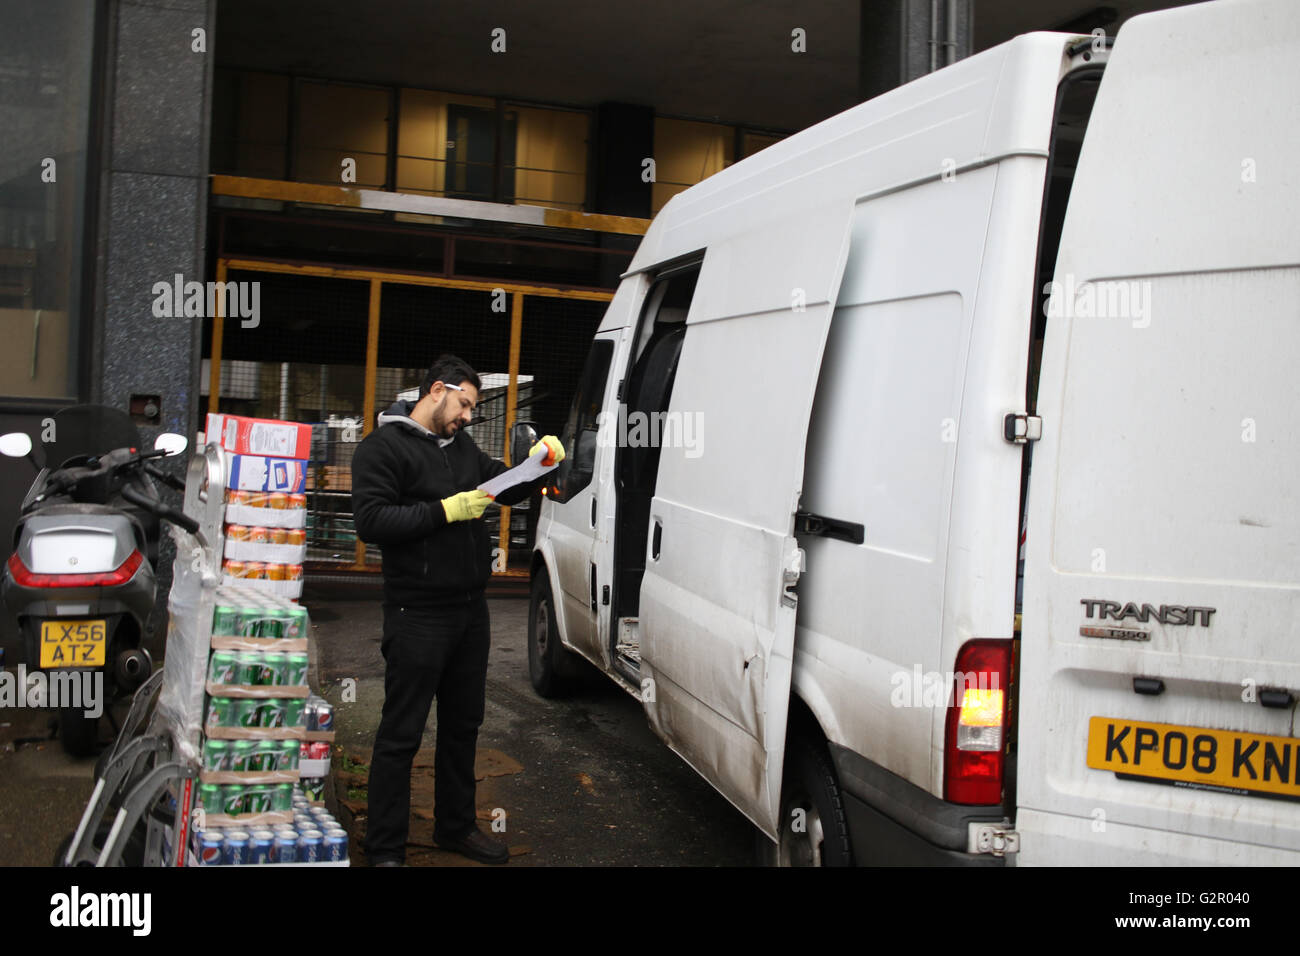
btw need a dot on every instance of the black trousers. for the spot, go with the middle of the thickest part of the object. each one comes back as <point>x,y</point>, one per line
<point>437,652</point>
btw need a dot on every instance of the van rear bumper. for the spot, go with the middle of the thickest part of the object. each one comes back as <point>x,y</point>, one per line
<point>1057,839</point>
<point>893,822</point>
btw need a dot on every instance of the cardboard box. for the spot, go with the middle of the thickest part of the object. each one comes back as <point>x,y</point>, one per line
<point>259,473</point>
<point>259,436</point>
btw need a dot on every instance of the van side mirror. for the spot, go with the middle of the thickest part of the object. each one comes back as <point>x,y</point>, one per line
<point>523,436</point>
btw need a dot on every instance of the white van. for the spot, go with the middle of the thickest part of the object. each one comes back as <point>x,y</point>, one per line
<point>1020,299</point>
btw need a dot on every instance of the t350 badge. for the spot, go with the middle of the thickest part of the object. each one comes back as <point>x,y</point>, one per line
<point>1172,615</point>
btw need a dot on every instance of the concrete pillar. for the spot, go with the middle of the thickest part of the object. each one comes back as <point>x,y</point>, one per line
<point>156,90</point>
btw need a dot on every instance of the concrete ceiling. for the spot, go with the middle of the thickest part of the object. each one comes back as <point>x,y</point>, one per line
<point>724,60</point>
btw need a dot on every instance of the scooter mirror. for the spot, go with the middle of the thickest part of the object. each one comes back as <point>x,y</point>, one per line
<point>16,445</point>
<point>171,443</point>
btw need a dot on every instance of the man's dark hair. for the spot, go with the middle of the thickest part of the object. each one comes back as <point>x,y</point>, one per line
<point>450,370</point>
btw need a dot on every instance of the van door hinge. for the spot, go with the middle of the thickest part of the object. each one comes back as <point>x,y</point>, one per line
<point>1019,429</point>
<point>993,839</point>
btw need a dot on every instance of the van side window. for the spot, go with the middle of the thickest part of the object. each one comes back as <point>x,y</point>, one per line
<point>579,437</point>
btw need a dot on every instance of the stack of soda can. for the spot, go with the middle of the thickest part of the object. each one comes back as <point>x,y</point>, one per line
<point>241,612</point>
<point>258,668</point>
<point>255,712</point>
<point>237,799</point>
<point>314,837</point>
<point>244,756</point>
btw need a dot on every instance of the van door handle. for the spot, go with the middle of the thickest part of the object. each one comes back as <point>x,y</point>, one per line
<point>593,511</point>
<point>655,540</point>
<point>593,585</point>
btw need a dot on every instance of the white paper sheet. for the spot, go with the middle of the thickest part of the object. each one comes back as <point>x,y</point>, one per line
<point>530,469</point>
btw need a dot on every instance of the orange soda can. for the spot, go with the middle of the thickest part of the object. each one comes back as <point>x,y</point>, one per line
<point>236,569</point>
<point>275,572</point>
<point>278,535</point>
<point>293,572</point>
<point>237,532</point>
<point>277,500</point>
<point>255,571</point>
<point>259,535</point>
<point>296,536</point>
<point>298,501</point>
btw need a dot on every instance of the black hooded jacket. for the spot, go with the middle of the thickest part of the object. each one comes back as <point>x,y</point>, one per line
<point>401,472</point>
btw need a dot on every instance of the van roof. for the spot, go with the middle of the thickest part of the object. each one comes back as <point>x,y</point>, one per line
<point>979,110</point>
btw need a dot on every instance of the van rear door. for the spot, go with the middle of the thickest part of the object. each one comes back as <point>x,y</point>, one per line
<point>717,609</point>
<point>1160,658</point>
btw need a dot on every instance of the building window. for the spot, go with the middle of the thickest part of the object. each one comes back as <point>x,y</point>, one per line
<point>446,145</point>
<point>46,51</point>
<point>337,122</point>
<point>550,157</point>
<point>687,152</point>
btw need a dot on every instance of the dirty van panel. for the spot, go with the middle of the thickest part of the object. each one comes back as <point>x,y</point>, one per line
<point>1159,666</point>
<point>882,452</point>
<point>717,606</point>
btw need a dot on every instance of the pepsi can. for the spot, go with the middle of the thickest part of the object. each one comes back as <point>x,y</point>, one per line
<point>286,847</point>
<point>324,715</point>
<point>309,846</point>
<point>210,848</point>
<point>259,846</point>
<point>335,847</point>
<point>234,848</point>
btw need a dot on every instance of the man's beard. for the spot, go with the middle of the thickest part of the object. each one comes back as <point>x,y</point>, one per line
<point>445,429</point>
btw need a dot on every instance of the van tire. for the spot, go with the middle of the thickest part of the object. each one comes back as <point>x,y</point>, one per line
<point>550,666</point>
<point>809,785</point>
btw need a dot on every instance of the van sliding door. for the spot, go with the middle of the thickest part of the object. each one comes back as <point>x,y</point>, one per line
<point>717,606</point>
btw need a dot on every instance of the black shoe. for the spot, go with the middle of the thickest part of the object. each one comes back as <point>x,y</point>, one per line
<point>388,863</point>
<point>476,845</point>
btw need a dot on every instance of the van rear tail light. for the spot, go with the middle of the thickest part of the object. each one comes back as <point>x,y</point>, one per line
<point>28,578</point>
<point>975,741</point>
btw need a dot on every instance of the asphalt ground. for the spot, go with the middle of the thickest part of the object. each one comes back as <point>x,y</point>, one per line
<point>580,781</point>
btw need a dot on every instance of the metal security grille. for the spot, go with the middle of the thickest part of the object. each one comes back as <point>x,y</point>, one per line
<point>334,347</point>
<point>304,360</point>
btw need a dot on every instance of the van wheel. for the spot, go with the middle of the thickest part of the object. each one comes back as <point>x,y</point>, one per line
<point>814,828</point>
<point>550,666</point>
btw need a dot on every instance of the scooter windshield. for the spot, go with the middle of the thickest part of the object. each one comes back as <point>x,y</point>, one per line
<point>82,431</point>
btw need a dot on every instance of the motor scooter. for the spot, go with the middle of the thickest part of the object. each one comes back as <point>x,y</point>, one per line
<point>80,582</point>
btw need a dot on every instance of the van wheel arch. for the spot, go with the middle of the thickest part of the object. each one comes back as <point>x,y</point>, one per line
<point>813,823</point>
<point>551,666</point>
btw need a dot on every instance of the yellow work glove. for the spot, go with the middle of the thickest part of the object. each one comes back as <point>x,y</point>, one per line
<point>466,505</point>
<point>550,445</point>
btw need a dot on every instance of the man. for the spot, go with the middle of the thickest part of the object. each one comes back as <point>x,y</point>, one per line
<point>414,481</point>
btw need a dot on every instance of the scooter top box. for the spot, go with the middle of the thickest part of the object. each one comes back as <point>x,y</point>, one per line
<point>259,436</point>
